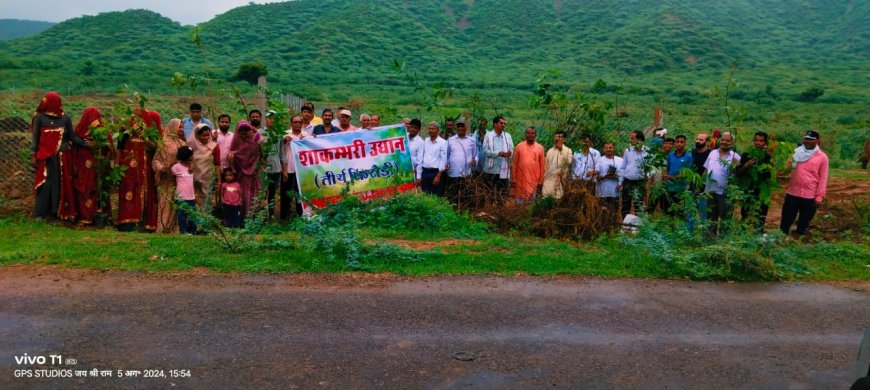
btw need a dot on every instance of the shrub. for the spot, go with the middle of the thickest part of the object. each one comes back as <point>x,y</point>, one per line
<point>341,243</point>
<point>739,255</point>
<point>404,212</point>
<point>810,95</point>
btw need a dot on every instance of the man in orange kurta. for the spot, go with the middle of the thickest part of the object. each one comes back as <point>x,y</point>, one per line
<point>528,168</point>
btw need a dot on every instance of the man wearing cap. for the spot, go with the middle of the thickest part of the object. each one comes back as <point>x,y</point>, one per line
<point>461,159</point>
<point>344,124</point>
<point>807,185</point>
<point>194,120</point>
<point>433,162</point>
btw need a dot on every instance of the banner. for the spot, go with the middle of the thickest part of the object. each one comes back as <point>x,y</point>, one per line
<point>368,163</point>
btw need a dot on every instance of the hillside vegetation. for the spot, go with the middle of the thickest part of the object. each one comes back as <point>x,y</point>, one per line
<point>798,64</point>
<point>16,28</point>
<point>484,41</point>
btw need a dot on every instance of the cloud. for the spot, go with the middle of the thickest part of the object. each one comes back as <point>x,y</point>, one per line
<point>184,12</point>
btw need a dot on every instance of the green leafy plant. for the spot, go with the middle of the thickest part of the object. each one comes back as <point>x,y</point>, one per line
<point>341,243</point>
<point>574,113</point>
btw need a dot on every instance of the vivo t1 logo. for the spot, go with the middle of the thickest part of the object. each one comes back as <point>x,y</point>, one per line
<point>30,360</point>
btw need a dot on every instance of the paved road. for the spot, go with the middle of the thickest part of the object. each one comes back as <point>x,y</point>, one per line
<point>371,331</point>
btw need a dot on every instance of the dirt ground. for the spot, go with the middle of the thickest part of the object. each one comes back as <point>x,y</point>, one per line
<point>376,331</point>
<point>838,212</point>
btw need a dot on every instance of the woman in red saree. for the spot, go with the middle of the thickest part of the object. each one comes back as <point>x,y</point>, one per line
<point>244,158</point>
<point>136,192</point>
<point>173,138</point>
<point>52,134</point>
<point>152,119</point>
<point>85,169</point>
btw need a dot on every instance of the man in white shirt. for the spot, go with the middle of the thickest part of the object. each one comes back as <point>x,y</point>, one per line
<point>719,167</point>
<point>415,144</point>
<point>583,166</point>
<point>583,163</point>
<point>433,162</point>
<point>498,147</point>
<point>461,159</point>
<point>607,168</point>
<point>633,174</point>
<point>308,119</point>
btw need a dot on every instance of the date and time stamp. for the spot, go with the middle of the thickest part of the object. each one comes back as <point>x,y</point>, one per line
<point>59,366</point>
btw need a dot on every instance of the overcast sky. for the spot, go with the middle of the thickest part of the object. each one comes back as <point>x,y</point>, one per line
<point>184,12</point>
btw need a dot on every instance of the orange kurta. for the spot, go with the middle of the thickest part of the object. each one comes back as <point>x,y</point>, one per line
<point>528,169</point>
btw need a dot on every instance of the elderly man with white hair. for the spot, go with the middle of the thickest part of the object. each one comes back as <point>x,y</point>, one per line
<point>365,122</point>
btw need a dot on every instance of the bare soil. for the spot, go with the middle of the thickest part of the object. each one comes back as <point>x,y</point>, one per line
<point>838,212</point>
<point>382,330</point>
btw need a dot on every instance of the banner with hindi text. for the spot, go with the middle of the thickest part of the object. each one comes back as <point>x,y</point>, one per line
<point>370,164</point>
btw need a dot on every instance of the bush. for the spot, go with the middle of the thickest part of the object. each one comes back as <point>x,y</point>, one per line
<point>810,95</point>
<point>250,72</point>
<point>741,255</point>
<point>341,243</point>
<point>404,212</point>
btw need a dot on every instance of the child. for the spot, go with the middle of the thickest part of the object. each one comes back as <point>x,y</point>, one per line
<point>231,199</point>
<point>183,172</point>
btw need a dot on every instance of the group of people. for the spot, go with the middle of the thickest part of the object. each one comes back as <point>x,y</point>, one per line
<point>161,180</point>
<point>199,165</point>
<point>444,161</point>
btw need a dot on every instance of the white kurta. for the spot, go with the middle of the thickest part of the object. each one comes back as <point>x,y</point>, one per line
<point>558,166</point>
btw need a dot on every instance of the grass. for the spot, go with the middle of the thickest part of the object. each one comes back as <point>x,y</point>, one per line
<point>33,242</point>
<point>859,175</point>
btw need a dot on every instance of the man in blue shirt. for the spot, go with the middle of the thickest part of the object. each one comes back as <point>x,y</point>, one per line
<point>675,184</point>
<point>194,120</point>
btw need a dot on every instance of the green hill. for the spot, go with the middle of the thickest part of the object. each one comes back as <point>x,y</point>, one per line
<point>483,43</point>
<point>16,28</point>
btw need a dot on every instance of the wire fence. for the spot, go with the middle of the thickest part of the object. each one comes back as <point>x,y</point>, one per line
<point>16,174</point>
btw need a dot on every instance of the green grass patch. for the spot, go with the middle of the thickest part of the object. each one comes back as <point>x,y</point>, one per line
<point>32,242</point>
<point>855,175</point>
